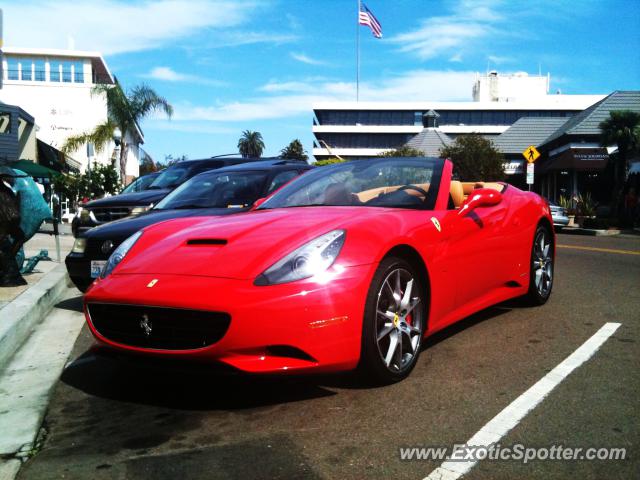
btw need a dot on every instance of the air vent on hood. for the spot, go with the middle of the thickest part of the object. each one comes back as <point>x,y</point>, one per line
<point>207,241</point>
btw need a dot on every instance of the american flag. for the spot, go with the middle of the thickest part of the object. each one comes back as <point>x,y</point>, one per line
<point>366,17</point>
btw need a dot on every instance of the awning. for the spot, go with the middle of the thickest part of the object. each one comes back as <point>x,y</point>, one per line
<point>34,169</point>
<point>580,159</point>
<point>54,159</point>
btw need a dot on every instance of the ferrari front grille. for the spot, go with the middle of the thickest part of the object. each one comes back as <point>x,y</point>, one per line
<point>158,328</point>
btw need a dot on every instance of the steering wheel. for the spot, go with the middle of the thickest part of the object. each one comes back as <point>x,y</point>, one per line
<point>413,187</point>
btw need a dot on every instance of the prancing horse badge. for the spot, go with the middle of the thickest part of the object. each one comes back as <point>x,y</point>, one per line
<point>152,283</point>
<point>436,223</point>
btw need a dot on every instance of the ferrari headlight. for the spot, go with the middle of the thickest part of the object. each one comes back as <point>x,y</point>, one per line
<point>80,245</point>
<point>119,253</point>
<point>310,259</point>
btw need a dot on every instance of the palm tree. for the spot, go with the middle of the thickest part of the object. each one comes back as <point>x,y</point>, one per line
<point>251,144</point>
<point>622,128</point>
<point>124,112</point>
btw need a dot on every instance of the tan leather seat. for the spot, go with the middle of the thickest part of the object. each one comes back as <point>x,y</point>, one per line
<point>457,193</point>
<point>367,195</point>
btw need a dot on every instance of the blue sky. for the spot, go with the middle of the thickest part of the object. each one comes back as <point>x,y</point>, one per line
<point>227,66</point>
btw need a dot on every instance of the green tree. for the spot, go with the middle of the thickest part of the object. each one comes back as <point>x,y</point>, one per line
<point>474,158</point>
<point>125,110</point>
<point>622,129</point>
<point>403,151</point>
<point>251,144</point>
<point>99,180</point>
<point>294,151</point>
<point>329,161</point>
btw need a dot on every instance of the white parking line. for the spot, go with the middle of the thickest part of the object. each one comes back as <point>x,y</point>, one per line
<point>508,418</point>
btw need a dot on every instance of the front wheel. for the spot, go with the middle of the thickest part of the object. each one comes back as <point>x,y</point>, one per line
<point>542,267</point>
<point>394,322</point>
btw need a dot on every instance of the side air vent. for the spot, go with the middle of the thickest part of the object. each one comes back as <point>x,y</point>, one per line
<point>207,241</point>
<point>290,352</point>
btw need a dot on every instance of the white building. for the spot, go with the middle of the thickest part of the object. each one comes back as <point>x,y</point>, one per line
<point>54,86</point>
<point>363,129</point>
<point>494,87</point>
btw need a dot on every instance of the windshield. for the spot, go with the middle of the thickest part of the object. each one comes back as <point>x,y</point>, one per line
<point>388,182</point>
<point>139,184</point>
<point>216,190</point>
<point>171,177</point>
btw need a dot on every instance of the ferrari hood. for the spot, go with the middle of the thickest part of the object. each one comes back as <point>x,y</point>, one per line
<point>240,246</point>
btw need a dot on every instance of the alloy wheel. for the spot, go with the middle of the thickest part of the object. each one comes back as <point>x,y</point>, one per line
<point>543,263</point>
<point>399,323</point>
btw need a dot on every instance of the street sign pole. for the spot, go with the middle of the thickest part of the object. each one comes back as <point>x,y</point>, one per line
<point>530,168</point>
<point>531,154</point>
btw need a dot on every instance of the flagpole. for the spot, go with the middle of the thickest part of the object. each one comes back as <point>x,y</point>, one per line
<point>358,54</point>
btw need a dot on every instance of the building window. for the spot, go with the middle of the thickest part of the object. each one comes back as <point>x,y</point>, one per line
<point>26,69</point>
<point>39,71</point>
<point>417,119</point>
<point>78,72</point>
<point>13,70</point>
<point>66,71</point>
<point>54,71</point>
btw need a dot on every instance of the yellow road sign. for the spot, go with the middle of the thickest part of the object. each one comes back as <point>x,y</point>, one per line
<point>531,154</point>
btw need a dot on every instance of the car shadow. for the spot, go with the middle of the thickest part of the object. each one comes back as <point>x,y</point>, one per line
<point>184,387</point>
<point>74,304</point>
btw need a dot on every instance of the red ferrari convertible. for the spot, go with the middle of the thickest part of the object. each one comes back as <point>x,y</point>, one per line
<point>347,266</point>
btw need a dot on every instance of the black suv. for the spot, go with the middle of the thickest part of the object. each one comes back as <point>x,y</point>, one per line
<point>98,212</point>
<point>219,192</point>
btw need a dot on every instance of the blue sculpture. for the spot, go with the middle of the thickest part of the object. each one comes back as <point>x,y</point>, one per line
<point>22,211</point>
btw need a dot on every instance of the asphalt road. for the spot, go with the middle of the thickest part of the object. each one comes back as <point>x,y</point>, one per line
<point>113,420</point>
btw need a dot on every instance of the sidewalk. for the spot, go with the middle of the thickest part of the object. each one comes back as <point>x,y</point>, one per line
<point>35,340</point>
<point>39,241</point>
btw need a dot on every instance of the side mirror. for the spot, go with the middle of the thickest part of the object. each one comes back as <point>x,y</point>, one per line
<point>257,203</point>
<point>482,197</point>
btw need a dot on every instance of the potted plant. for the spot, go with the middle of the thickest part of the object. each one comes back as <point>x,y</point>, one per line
<point>568,205</point>
<point>585,208</point>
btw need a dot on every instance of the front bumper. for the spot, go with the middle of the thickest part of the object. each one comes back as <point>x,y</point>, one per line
<point>320,318</point>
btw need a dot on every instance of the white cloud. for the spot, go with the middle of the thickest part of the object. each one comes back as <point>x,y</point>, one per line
<point>498,59</point>
<point>167,74</point>
<point>234,39</point>
<point>457,58</point>
<point>436,36</point>
<point>301,57</point>
<point>116,26</point>
<point>292,99</point>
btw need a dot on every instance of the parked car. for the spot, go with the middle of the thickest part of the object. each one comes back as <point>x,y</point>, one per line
<point>108,209</point>
<point>559,215</point>
<point>140,183</point>
<point>215,193</point>
<point>349,265</point>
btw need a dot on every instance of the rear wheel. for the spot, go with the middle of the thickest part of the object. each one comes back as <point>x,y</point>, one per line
<point>394,322</point>
<point>542,267</point>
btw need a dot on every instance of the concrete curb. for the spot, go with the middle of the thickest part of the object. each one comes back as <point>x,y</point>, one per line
<point>22,315</point>
<point>589,232</point>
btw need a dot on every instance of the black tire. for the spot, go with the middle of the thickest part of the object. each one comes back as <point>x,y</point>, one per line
<point>408,322</point>
<point>541,267</point>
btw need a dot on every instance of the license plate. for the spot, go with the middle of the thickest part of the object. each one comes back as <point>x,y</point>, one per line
<point>96,267</point>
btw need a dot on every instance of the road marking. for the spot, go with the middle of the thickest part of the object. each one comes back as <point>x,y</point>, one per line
<point>605,250</point>
<point>508,418</point>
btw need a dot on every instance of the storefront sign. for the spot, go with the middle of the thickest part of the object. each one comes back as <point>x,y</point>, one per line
<point>513,167</point>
